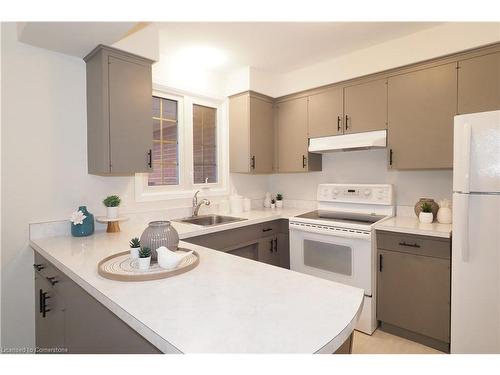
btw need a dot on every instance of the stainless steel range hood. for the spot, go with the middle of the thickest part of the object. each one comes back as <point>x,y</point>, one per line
<point>349,142</point>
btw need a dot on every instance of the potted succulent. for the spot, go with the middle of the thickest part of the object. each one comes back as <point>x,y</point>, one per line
<point>279,200</point>
<point>112,202</point>
<point>135,245</point>
<point>426,216</point>
<point>144,258</point>
<point>273,204</point>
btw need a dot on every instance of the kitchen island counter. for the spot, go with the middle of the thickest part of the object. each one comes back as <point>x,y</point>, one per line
<point>227,304</point>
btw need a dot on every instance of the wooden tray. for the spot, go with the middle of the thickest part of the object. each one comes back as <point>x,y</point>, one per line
<point>122,267</point>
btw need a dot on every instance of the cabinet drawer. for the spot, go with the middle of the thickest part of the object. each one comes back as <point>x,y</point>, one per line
<point>270,228</point>
<point>414,244</point>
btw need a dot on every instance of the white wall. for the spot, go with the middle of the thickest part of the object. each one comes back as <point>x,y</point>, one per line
<point>44,167</point>
<point>426,44</point>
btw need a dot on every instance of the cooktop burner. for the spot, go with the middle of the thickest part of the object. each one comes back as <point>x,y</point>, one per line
<point>343,217</point>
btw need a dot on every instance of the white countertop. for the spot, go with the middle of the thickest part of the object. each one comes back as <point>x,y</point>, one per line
<point>411,225</point>
<point>227,304</point>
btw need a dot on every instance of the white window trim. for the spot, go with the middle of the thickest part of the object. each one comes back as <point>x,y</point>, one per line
<point>186,187</point>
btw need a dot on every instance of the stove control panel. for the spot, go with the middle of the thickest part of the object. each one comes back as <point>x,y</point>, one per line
<point>356,193</point>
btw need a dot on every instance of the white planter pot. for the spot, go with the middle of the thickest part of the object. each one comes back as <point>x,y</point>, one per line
<point>279,204</point>
<point>425,217</point>
<point>111,212</point>
<point>134,252</point>
<point>144,263</point>
<point>273,206</point>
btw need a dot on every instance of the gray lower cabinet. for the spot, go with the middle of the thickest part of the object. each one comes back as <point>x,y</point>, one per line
<point>69,320</point>
<point>266,242</point>
<point>119,124</point>
<point>413,287</point>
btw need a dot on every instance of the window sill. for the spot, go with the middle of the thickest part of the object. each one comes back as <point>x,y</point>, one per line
<point>145,193</point>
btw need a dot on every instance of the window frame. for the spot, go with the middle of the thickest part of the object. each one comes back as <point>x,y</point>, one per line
<point>186,187</point>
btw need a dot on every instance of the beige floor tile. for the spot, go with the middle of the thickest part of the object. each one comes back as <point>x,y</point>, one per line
<point>384,343</point>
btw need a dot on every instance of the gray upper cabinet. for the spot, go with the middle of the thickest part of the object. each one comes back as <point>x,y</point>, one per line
<point>325,113</point>
<point>479,84</point>
<point>421,107</point>
<point>119,125</point>
<point>365,107</point>
<point>251,133</point>
<point>293,143</point>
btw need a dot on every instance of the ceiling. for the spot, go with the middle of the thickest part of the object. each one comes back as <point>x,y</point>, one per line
<point>274,46</point>
<point>74,38</point>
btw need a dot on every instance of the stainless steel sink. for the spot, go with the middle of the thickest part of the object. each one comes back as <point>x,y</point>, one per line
<point>209,220</point>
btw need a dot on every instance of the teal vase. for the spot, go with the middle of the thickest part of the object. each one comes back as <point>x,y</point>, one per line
<point>86,228</point>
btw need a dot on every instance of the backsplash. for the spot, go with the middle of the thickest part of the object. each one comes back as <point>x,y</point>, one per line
<point>367,166</point>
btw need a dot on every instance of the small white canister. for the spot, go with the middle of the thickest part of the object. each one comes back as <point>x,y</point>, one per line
<point>444,215</point>
<point>236,203</point>
<point>247,204</point>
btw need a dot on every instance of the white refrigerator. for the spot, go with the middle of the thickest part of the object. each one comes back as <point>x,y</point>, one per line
<point>475,276</point>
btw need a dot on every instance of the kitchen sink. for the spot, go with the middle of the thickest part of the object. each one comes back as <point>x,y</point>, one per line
<point>209,220</point>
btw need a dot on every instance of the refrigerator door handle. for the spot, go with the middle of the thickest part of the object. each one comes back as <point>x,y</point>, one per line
<point>467,146</point>
<point>465,230</point>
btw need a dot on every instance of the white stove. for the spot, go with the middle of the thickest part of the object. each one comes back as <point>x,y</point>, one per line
<point>335,241</point>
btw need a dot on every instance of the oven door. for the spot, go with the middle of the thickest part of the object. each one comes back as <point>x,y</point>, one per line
<point>334,257</point>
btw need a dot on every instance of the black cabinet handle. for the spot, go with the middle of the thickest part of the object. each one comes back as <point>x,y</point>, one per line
<point>38,267</point>
<point>380,266</point>
<point>346,122</point>
<point>409,244</point>
<point>304,161</point>
<point>53,280</point>
<point>339,119</point>
<point>275,245</point>
<point>272,246</point>
<point>43,304</point>
<point>40,300</point>
<point>252,162</point>
<point>390,156</point>
<point>267,229</point>
<point>150,158</point>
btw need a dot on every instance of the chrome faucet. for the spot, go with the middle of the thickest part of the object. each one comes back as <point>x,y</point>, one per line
<point>196,205</point>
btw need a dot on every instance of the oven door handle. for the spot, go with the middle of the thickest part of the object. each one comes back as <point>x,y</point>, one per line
<point>329,232</point>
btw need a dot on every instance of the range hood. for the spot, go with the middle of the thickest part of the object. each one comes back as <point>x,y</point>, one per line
<point>349,142</point>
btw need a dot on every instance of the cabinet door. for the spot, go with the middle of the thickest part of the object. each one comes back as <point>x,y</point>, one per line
<point>268,250</point>
<point>414,293</point>
<point>284,250</point>
<point>261,135</point>
<point>292,135</point>
<point>239,133</point>
<point>421,107</point>
<point>325,113</point>
<point>50,332</point>
<point>479,84</point>
<point>365,107</point>
<point>130,123</point>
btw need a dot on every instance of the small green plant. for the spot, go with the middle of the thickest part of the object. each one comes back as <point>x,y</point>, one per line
<point>279,197</point>
<point>145,252</point>
<point>135,243</point>
<point>112,201</point>
<point>426,207</point>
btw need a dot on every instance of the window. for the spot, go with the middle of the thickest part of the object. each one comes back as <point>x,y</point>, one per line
<point>190,147</point>
<point>165,143</point>
<point>204,144</point>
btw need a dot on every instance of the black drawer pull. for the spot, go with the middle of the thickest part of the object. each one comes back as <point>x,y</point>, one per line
<point>53,280</point>
<point>409,244</point>
<point>380,266</point>
<point>275,245</point>
<point>272,246</point>
<point>338,123</point>
<point>267,229</point>
<point>150,158</point>
<point>38,267</point>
